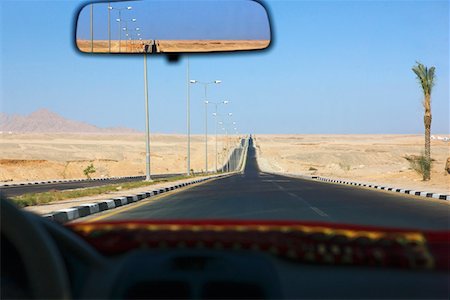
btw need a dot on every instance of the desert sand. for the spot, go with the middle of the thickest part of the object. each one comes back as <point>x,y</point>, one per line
<point>102,46</point>
<point>166,46</point>
<point>363,158</point>
<point>28,157</point>
<point>205,46</point>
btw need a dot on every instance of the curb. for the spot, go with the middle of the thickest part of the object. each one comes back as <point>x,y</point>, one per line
<point>368,185</point>
<point>28,183</point>
<point>68,180</point>
<point>386,188</point>
<point>87,209</point>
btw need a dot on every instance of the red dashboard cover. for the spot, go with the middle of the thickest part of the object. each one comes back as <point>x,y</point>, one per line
<point>307,242</point>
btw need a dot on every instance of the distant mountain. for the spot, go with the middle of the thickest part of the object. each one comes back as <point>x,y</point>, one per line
<point>46,121</point>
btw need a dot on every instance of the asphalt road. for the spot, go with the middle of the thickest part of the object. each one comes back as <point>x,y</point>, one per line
<point>256,195</point>
<point>12,191</point>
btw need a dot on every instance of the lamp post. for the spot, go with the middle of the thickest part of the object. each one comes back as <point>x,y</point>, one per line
<point>215,114</point>
<point>118,20</point>
<point>120,24</point>
<point>126,28</point>
<point>147,126</point>
<point>130,34</point>
<point>225,124</point>
<point>138,37</point>
<point>223,155</point>
<point>92,27</point>
<point>109,27</point>
<point>235,161</point>
<point>234,152</point>
<point>226,147</point>
<point>188,118</point>
<point>206,84</point>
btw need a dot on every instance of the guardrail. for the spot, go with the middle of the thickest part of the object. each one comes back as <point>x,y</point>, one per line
<point>27,183</point>
<point>236,157</point>
<point>53,181</point>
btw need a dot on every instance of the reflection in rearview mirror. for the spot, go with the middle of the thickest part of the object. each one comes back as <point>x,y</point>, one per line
<point>172,26</point>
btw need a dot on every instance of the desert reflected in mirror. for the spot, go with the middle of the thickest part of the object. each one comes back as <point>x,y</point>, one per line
<point>172,26</point>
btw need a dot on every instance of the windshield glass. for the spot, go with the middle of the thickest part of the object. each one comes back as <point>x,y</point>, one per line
<point>344,119</point>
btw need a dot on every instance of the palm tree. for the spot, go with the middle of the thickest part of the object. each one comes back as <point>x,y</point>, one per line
<point>426,79</point>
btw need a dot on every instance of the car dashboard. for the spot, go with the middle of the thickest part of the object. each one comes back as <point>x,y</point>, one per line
<point>209,271</point>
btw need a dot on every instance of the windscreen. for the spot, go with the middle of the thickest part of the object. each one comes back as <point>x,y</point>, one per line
<point>342,120</point>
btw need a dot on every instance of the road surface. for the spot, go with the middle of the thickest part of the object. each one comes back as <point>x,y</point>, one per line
<point>256,195</point>
<point>11,191</point>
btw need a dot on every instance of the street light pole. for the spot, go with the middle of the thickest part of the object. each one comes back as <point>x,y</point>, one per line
<point>228,149</point>
<point>215,114</point>
<point>224,153</point>
<point>235,160</point>
<point>109,27</point>
<point>120,24</point>
<point>188,119</point>
<point>120,30</point>
<point>126,34</point>
<point>205,84</point>
<point>216,136</point>
<point>92,27</point>
<point>132,35</point>
<point>126,29</point>
<point>206,135</point>
<point>147,127</point>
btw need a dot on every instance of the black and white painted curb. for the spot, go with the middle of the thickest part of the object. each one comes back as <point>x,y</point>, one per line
<point>69,214</point>
<point>69,180</point>
<point>386,188</point>
<point>368,185</point>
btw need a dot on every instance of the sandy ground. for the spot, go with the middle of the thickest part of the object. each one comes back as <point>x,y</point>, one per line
<point>365,158</point>
<point>134,46</point>
<point>28,157</point>
<point>205,46</point>
<point>102,46</point>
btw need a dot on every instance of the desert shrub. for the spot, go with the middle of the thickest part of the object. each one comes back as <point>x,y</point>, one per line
<point>420,164</point>
<point>53,195</point>
<point>89,170</point>
<point>344,166</point>
<point>312,169</point>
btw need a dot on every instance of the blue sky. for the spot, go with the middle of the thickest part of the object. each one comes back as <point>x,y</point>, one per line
<point>334,67</point>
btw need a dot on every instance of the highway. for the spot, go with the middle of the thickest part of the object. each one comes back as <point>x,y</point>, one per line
<point>11,191</point>
<point>254,195</point>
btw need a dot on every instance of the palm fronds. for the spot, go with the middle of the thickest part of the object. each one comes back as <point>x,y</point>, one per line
<point>425,76</point>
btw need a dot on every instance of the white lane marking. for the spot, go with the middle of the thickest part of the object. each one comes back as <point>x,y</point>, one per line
<point>258,212</point>
<point>278,186</point>
<point>275,180</point>
<point>315,209</point>
<point>265,175</point>
<point>319,212</point>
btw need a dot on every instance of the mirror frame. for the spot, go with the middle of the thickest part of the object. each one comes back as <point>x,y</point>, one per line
<point>172,56</point>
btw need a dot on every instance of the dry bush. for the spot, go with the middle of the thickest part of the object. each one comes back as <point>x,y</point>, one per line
<point>420,163</point>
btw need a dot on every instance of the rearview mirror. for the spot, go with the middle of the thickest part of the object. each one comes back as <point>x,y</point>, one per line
<point>172,26</point>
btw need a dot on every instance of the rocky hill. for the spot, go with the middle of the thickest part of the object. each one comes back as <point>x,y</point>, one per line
<point>46,121</point>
